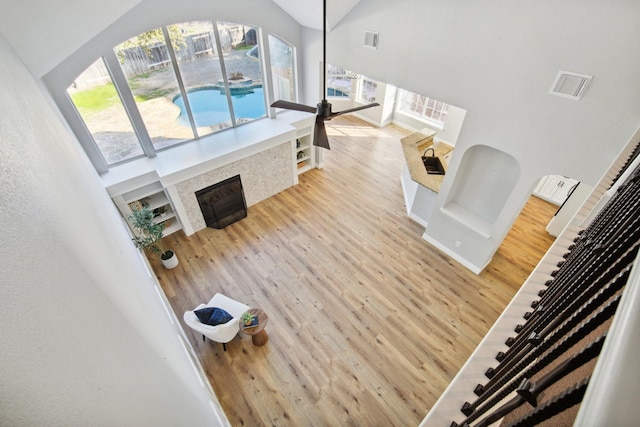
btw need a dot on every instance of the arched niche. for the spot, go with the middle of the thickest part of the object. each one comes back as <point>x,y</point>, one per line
<point>484,180</point>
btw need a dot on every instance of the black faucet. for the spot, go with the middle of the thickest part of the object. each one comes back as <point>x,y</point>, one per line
<point>433,152</point>
<point>432,164</point>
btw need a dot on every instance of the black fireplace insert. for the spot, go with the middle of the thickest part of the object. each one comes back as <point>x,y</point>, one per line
<point>223,203</point>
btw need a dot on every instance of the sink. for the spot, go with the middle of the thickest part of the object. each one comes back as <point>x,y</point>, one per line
<point>433,165</point>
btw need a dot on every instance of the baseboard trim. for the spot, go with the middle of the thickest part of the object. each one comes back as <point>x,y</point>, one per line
<point>465,262</point>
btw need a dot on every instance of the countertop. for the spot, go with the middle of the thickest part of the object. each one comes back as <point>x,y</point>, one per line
<point>413,146</point>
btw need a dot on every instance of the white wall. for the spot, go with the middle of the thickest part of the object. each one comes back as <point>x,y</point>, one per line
<point>381,115</point>
<point>497,60</point>
<point>84,339</point>
<point>44,33</point>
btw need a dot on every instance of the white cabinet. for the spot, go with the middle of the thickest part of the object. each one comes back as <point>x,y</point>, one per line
<point>554,188</point>
<point>153,196</point>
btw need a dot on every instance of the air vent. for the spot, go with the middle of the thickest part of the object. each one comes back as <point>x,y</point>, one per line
<point>570,85</point>
<point>371,39</point>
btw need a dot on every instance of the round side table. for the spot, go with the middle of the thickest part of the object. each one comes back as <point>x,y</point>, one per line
<point>258,335</point>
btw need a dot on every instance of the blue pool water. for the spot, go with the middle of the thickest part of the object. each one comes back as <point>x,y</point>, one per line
<point>336,92</point>
<point>209,106</point>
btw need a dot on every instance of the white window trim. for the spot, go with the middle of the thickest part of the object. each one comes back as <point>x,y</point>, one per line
<point>77,124</point>
<point>362,82</point>
<point>350,95</point>
<point>439,125</point>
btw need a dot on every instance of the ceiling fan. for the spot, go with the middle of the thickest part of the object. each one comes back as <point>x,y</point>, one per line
<point>323,109</point>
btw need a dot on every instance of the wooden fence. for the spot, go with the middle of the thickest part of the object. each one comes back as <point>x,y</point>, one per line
<point>136,60</point>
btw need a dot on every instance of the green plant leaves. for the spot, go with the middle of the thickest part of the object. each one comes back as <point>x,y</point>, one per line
<point>147,234</point>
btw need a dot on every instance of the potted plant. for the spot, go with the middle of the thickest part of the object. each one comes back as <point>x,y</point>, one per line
<point>148,235</point>
<point>248,320</point>
<point>161,212</point>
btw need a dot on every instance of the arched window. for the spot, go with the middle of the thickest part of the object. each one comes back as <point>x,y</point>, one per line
<point>178,83</point>
<point>100,107</point>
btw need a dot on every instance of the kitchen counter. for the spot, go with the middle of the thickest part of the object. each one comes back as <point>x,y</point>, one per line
<point>413,146</point>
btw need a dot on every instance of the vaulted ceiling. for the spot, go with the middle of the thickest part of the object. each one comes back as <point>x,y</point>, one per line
<point>308,13</point>
<point>33,36</point>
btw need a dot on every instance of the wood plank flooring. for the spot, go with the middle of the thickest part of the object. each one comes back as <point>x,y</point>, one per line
<point>367,322</point>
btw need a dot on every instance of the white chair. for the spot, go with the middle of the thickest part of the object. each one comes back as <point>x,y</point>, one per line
<point>219,333</point>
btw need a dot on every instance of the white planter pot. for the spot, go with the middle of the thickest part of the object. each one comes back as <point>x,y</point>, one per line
<point>171,262</point>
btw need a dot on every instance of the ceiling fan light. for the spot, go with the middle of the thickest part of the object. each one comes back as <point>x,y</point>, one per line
<point>323,109</point>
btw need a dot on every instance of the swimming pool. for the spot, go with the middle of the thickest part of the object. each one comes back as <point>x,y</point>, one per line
<point>336,92</point>
<point>209,106</point>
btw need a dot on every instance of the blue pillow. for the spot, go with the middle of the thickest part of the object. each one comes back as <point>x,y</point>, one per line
<point>213,316</point>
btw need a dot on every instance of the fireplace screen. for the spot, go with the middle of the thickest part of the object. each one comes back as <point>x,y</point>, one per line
<point>223,203</point>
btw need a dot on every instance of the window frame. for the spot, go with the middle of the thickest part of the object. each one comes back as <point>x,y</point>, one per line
<point>345,76</point>
<point>363,83</point>
<point>119,80</point>
<point>294,65</point>
<point>423,101</point>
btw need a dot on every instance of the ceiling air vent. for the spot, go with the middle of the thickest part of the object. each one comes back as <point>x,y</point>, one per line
<point>570,85</point>
<point>371,39</point>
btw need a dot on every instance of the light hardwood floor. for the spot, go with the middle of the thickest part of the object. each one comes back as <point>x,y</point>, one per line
<point>367,322</point>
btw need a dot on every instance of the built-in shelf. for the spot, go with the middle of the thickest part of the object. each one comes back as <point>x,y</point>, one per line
<point>304,151</point>
<point>157,178</point>
<point>173,226</point>
<point>151,195</point>
<point>156,200</point>
<point>468,219</point>
<point>142,192</point>
<point>162,218</point>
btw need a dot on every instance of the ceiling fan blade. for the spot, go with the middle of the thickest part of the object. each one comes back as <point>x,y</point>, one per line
<point>351,110</point>
<point>320,137</point>
<point>294,106</point>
